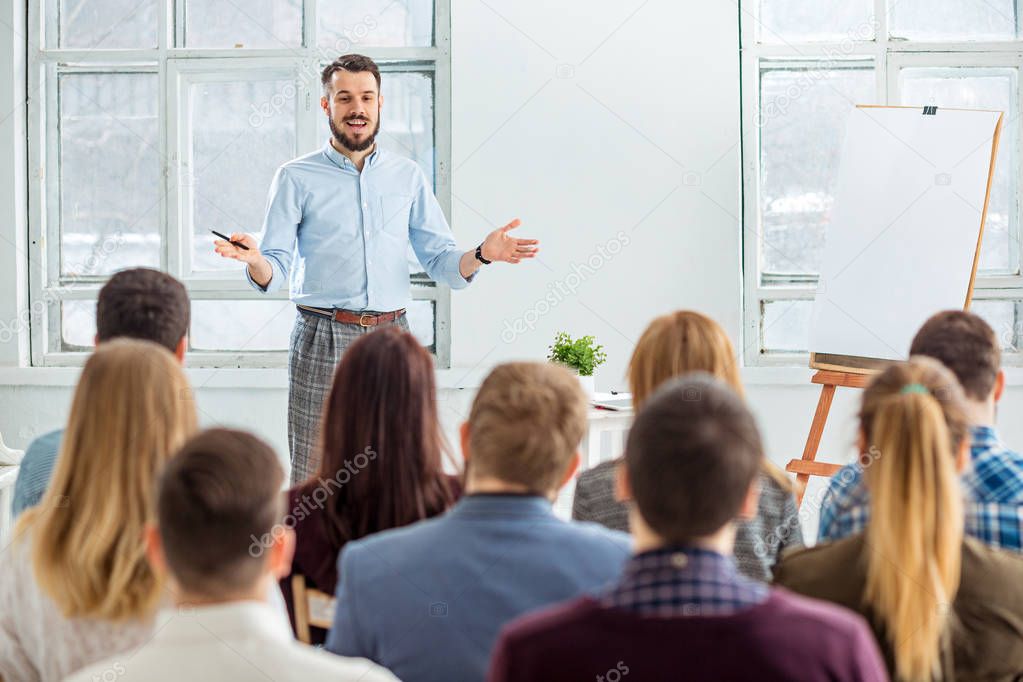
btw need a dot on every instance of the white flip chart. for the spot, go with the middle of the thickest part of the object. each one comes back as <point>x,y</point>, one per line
<point>905,227</point>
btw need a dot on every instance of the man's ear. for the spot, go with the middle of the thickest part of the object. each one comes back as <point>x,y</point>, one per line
<point>999,385</point>
<point>323,105</point>
<point>573,467</point>
<point>623,486</point>
<point>154,548</point>
<point>963,456</point>
<point>281,554</point>
<point>749,505</point>
<point>95,340</point>
<point>463,440</point>
<point>182,347</point>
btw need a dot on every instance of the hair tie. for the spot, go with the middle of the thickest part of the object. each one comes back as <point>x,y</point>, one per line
<point>914,388</point>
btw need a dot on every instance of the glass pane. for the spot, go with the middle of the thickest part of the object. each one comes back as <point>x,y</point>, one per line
<point>979,88</point>
<point>421,319</point>
<point>241,325</point>
<point>798,20</point>
<point>108,24</point>
<point>78,324</point>
<point>242,131</point>
<point>953,19</point>
<point>354,25</point>
<point>257,23</point>
<point>110,184</point>
<point>785,325</point>
<point>1004,318</point>
<point>802,124</point>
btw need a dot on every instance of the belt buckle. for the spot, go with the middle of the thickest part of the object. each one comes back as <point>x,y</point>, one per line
<point>361,317</point>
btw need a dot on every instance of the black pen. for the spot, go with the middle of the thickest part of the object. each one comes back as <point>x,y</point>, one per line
<point>228,240</point>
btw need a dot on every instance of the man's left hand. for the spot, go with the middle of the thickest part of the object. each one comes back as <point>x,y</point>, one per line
<point>499,246</point>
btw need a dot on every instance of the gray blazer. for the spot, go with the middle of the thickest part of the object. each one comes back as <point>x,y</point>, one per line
<point>758,542</point>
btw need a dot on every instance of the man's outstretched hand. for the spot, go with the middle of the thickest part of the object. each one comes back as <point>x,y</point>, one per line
<point>500,246</point>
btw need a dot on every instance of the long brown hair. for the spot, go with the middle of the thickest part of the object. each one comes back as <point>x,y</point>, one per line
<point>913,422</point>
<point>681,342</point>
<point>131,410</point>
<point>380,439</point>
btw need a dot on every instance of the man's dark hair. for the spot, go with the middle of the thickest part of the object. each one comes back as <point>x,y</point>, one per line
<point>353,63</point>
<point>142,303</point>
<point>692,454</point>
<point>218,502</point>
<point>965,344</point>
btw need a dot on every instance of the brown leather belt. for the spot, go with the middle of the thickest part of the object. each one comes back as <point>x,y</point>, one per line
<point>349,317</point>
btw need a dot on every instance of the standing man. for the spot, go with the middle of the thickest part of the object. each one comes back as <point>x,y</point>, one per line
<point>351,210</point>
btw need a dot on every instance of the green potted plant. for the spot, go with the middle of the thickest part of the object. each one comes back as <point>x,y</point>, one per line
<point>581,355</point>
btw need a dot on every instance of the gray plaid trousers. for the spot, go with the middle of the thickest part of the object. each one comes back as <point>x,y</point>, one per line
<point>317,344</point>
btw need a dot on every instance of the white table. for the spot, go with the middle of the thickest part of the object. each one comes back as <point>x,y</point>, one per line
<point>603,439</point>
<point>8,474</point>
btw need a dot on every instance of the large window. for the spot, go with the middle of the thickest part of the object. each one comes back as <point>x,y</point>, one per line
<point>154,121</point>
<point>804,66</point>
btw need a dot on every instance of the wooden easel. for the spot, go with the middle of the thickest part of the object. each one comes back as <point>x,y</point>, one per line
<point>808,466</point>
<point>855,372</point>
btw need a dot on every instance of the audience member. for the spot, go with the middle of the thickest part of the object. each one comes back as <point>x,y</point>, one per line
<point>692,461</point>
<point>427,601</point>
<point>217,494</point>
<point>76,587</point>
<point>139,303</point>
<point>674,344</point>
<point>942,605</point>
<point>993,481</point>
<point>380,461</point>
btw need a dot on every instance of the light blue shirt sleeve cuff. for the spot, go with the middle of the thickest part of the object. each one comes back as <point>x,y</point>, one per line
<point>277,275</point>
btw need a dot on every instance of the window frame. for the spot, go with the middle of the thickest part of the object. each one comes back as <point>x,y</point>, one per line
<point>175,66</point>
<point>887,56</point>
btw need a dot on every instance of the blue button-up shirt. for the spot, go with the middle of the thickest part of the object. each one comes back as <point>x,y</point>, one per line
<point>993,495</point>
<point>340,237</point>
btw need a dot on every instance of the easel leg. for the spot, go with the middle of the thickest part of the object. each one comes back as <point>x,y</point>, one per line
<point>813,440</point>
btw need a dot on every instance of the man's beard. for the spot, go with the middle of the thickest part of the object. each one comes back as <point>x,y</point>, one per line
<point>350,144</point>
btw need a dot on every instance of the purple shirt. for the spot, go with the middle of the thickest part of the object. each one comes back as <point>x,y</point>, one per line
<point>787,637</point>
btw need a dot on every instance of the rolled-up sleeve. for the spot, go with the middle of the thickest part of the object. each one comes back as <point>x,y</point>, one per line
<point>432,240</point>
<point>280,229</point>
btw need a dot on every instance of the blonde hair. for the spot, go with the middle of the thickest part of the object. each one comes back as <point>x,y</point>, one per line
<point>526,423</point>
<point>681,342</point>
<point>131,410</point>
<point>913,422</point>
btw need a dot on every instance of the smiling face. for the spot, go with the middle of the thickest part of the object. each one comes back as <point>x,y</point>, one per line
<point>352,103</point>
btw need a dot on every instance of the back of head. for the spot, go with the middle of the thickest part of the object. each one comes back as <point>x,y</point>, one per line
<point>692,454</point>
<point>131,409</point>
<point>221,490</point>
<point>142,303</point>
<point>913,422</point>
<point>965,344</point>
<point>525,425</point>
<point>678,343</point>
<point>380,439</point>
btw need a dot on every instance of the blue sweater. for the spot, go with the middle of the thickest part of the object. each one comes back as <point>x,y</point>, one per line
<point>428,600</point>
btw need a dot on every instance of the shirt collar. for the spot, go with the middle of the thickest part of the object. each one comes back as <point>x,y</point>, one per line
<point>502,506</point>
<point>680,558</point>
<point>228,621</point>
<point>983,437</point>
<point>342,161</point>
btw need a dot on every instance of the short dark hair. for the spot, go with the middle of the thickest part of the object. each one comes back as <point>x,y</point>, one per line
<point>691,455</point>
<point>146,304</point>
<point>218,501</point>
<point>354,63</point>
<point>964,343</point>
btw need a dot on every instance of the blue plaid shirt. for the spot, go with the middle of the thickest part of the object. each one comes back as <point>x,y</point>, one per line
<point>684,581</point>
<point>993,489</point>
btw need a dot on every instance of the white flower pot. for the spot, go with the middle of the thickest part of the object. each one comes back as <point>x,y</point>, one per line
<point>588,384</point>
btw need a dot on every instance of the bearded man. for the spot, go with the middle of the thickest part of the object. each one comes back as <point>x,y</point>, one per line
<point>337,229</point>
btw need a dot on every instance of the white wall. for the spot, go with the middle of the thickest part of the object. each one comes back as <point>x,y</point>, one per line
<point>585,121</point>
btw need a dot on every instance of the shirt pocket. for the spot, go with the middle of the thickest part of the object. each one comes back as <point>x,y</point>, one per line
<point>394,214</point>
